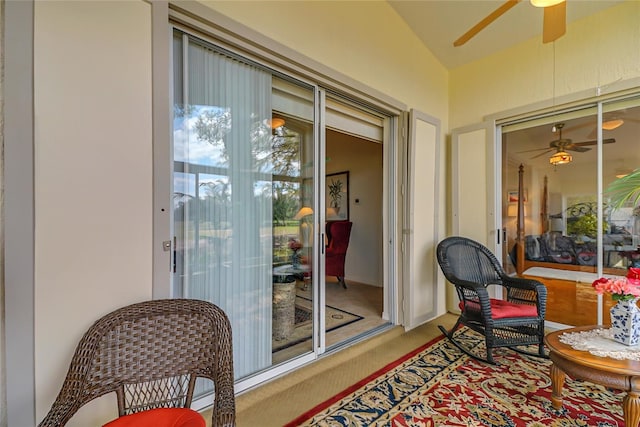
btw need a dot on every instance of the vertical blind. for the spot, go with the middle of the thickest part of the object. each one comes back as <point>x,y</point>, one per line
<point>223,213</point>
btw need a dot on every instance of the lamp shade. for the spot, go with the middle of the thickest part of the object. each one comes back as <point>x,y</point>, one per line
<point>304,211</point>
<point>512,210</point>
<point>276,122</point>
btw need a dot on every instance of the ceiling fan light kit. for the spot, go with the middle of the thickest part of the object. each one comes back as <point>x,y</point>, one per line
<point>612,124</point>
<point>560,158</point>
<point>545,3</point>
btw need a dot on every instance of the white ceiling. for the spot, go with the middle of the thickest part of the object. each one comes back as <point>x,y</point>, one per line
<point>439,22</point>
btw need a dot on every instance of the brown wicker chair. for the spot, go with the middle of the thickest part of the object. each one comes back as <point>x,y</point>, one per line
<point>514,322</point>
<point>150,354</point>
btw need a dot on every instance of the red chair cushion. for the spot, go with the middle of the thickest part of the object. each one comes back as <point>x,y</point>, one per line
<point>501,309</point>
<point>162,417</point>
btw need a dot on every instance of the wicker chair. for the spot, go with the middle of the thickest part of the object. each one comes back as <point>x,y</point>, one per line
<point>150,354</point>
<point>516,321</point>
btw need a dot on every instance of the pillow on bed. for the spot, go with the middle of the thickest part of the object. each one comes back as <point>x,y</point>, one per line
<point>557,248</point>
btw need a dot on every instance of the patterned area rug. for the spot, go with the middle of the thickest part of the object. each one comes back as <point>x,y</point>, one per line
<point>438,385</point>
<point>334,319</point>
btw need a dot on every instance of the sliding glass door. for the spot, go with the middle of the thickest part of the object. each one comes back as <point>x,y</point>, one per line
<point>243,189</point>
<point>571,231</point>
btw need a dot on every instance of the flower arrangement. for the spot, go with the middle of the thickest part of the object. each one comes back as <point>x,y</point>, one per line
<point>620,288</point>
<point>295,246</point>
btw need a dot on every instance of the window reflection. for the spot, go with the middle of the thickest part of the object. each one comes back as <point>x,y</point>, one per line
<point>561,222</point>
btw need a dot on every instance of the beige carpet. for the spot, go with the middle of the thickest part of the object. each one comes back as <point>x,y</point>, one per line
<point>283,399</point>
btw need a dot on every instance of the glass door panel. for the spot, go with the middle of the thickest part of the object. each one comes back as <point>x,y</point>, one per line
<point>243,191</point>
<point>559,161</point>
<point>621,240</point>
<point>570,234</point>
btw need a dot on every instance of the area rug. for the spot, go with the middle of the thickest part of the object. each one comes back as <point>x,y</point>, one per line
<point>438,385</point>
<point>334,319</point>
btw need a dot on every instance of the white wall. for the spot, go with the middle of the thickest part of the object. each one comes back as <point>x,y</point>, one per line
<point>93,177</point>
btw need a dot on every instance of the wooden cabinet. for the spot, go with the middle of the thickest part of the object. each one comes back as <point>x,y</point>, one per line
<point>573,303</point>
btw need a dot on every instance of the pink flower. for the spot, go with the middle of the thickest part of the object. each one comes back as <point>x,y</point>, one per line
<point>633,273</point>
<point>620,288</point>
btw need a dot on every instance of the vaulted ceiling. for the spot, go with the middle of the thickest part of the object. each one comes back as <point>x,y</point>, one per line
<point>439,22</point>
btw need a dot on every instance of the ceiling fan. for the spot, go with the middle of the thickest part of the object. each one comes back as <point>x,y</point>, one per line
<point>554,22</point>
<point>562,145</point>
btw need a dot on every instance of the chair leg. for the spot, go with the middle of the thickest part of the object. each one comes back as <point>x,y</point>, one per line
<point>449,334</point>
<point>341,281</point>
<point>541,353</point>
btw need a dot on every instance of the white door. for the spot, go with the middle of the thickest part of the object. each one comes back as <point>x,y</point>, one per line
<point>421,220</point>
<point>474,171</point>
<point>474,168</point>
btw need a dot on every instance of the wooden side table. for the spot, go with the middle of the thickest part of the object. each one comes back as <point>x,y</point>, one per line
<point>617,374</point>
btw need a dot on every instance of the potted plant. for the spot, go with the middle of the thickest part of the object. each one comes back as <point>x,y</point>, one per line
<point>624,191</point>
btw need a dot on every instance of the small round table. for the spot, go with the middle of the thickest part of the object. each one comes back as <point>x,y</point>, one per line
<point>613,373</point>
<point>300,272</point>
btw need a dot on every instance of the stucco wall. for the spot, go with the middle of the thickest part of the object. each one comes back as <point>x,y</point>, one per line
<point>93,175</point>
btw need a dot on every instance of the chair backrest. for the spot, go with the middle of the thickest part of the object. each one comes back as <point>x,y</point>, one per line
<point>338,233</point>
<point>150,354</point>
<point>461,258</point>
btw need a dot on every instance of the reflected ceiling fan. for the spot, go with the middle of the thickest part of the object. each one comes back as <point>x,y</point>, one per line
<point>554,22</point>
<point>562,145</point>
<point>614,120</point>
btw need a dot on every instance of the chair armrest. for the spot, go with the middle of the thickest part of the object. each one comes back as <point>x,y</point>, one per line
<point>475,293</point>
<point>526,291</point>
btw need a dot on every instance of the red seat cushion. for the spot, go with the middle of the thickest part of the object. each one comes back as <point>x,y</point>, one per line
<point>161,417</point>
<point>501,309</point>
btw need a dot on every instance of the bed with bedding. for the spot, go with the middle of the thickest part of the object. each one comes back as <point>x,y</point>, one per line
<point>567,263</point>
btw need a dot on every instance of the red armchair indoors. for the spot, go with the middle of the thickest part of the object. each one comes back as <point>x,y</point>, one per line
<point>338,233</point>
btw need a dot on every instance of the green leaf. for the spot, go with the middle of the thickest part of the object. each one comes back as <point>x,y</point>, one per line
<point>625,190</point>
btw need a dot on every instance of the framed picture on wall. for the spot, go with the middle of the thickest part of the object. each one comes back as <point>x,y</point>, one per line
<point>512,196</point>
<point>337,196</point>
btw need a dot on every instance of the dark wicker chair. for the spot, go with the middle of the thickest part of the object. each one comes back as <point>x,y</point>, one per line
<point>150,354</point>
<point>514,322</point>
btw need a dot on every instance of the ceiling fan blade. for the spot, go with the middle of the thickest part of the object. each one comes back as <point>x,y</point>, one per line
<point>555,22</point>
<point>485,22</point>
<point>576,148</point>
<point>529,151</point>
<point>543,153</point>
<point>594,142</point>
